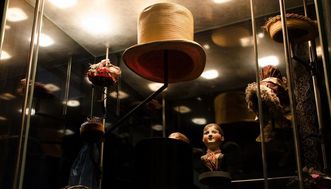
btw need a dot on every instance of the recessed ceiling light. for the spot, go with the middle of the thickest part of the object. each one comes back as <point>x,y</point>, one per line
<point>63,4</point>
<point>7,96</point>
<point>4,55</point>
<point>3,118</point>
<point>199,121</point>
<point>210,74</point>
<point>268,60</point>
<point>66,131</point>
<point>182,109</point>
<point>121,94</point>
<point>16,14</point>
<point>52,87</point>
<point>157,127</point>
<point>72,103</point>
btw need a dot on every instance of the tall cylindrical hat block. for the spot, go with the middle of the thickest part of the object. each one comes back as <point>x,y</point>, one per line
<point>163,163</point>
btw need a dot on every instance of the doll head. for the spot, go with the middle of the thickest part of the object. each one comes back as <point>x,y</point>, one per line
<point>212,135</point>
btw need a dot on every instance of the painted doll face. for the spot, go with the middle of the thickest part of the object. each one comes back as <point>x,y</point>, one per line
<point>211,134</point>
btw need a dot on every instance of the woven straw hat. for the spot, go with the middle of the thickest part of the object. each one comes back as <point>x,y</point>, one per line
<point>300,28</point>
<point>166,27</point>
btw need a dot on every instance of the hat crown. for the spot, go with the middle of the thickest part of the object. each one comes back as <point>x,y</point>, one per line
<point>165,21</point>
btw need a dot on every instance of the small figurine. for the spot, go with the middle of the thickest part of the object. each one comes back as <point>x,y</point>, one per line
<point>213,136</point>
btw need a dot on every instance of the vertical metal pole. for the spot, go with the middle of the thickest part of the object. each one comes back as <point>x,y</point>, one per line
<point>3,24</point>
<point>312,58</point>
<point>66,94</point>
<point>163,116</point>
<point>165,78</point>
<point>30,81</point>
<point>323,38</point>
<point>67,87</point>
<point>105,95</point>
<point>263,151</point>
<point>289,73</point>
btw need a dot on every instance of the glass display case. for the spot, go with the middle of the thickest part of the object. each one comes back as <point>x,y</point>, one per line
<point>258,69</point>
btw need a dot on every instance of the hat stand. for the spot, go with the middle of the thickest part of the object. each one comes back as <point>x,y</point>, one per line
<point>149,98</point>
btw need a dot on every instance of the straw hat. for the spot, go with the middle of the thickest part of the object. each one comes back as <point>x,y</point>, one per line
<point>166,27</point>
<point>300,28</point>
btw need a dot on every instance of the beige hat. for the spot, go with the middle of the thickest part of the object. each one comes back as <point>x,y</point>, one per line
<point>300,28</point>
<point>166,27</point>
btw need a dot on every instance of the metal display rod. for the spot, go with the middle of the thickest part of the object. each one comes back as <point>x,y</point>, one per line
<point>157,92</point>
<point>313,71</point>
<point>28,97</point>
<point>257,78</point>
<point>289,73</point>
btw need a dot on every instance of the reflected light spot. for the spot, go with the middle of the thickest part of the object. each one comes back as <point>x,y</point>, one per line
<point>199,121</point>
<point>157,127</point>
<point>16,15</point>
<point>221,1</point>
<point>182,109</point>
<point>3,118</point>
<point>7,96</point>
<point>33,111</point>
<point>155,86</point>
<point>72,103</point>
<point>4,55</point>
<point>206,46</point>
<point>66,131</point>
<point>51,87</point>
<point>96,24</point>
<point>63,4</point>
<point>45,40</point>
<point>121,94</point>
<point>268,60</point>
<point>260,35</point>
<point>210,74</point>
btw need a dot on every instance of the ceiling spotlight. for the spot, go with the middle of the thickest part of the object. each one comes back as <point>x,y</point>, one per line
<point>182,109</point>
<point>4,55</point>
<point>268,60</point>
<point>63,4</point>
<point>199,121</point>
<point>16,14</point>
<point>210,74</point>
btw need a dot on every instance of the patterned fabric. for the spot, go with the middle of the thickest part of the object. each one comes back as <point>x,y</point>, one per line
<point>305,109</point>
